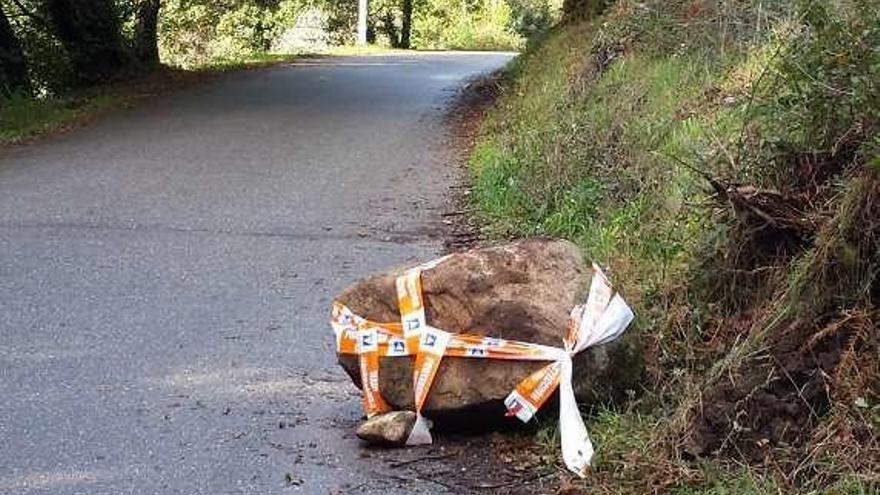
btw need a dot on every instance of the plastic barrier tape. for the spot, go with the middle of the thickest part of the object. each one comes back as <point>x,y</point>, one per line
<point>603,318</point>
<point>368,350</point>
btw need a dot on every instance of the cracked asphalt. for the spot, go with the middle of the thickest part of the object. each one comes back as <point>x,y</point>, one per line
<point>166,274</point>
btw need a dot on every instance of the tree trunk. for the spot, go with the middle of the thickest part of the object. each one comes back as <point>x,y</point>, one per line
<point>388,27</point>
<point>13,68</point>
<point>91,34</point>
<point>146,42</point>
<point>406,24</point>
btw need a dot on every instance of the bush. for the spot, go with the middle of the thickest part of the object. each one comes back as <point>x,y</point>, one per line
<point>193,33</point>
<point>717,157</point>
<point>454,24</point>
<point>531,18</point>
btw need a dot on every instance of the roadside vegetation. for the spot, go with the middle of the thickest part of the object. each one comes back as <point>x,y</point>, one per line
<point>63,61</point>
<point>24,117</point>
<point>722,159</point>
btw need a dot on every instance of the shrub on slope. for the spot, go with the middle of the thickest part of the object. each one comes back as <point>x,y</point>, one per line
<point>721,158</point>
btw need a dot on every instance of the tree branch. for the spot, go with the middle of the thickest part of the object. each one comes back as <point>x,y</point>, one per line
<point>27,13</point>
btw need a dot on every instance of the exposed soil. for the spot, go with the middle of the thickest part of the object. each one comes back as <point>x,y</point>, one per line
<point>464,115</point>
<point>510,463</point>
<point>827,353</point>
<point>782,395</point>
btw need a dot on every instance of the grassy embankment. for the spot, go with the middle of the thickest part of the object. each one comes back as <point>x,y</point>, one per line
<point>23,118</point>
<point>722,159</point>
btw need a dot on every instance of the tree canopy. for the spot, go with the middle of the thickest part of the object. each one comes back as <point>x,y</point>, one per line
<point>48,46</point>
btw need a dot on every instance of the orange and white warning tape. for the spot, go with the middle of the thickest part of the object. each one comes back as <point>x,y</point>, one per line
<point>603,318</point>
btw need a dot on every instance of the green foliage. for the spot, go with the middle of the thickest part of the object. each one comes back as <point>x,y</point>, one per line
<point>385,22</point>
<point>607,136</point>
<point>739,482</point>
<point>823,94</point>
<point>532,18</point>
<point>580,166</point>
<point>595,153</point>
<point>448,24</point>
<point>23,117</point>
<point>198,32</point>
<point>458,24</point>
<point>195,33</point>
<point>49,67</point>
<point>742,480</point>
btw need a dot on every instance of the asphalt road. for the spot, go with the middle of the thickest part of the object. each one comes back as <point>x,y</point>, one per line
<point>166,274</point>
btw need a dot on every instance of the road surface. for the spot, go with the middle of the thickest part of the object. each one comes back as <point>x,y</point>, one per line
<point>166,274</point>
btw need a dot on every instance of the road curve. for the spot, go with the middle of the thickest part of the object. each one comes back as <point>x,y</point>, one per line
<point>165,277</point>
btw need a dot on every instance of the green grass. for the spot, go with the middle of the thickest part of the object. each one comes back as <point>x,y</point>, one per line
<point>744,482</point>
<point>615,156</point>
<point>23,118</point>
<point>560,161</point>
<point>249,61</point>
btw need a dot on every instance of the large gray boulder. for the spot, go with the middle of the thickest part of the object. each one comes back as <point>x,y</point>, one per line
<point>520,291</point>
